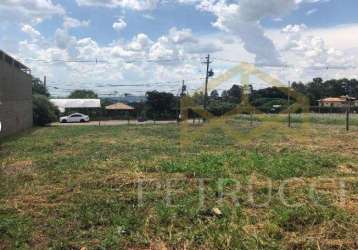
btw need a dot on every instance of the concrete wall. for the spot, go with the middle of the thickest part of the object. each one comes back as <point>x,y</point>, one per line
<point>15,98</point>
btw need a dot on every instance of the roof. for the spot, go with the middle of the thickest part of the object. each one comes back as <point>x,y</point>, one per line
<point>119,106</point>
<point>13,62</point>
<point>333,99</point>
<point>62,104</point>
<point>338,99</point>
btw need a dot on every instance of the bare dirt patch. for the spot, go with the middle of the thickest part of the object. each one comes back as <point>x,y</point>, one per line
<point>19,167</point>
<point>347,169</point>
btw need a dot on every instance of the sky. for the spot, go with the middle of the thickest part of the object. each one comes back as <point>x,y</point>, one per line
<point>132,46</point>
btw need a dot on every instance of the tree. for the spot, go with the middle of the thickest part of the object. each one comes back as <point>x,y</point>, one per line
<point>198,98</point>
<point>83,94</point>
<point>44,112</point>
<point>161,104</point>
<point>214,95</point>
<point>219,108</point>
<point>318,89</point>
<point>38,88</point>
<point>233,94</point>
<point>315,90</point>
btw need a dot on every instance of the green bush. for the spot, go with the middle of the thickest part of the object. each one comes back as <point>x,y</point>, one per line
<point>44,111</point>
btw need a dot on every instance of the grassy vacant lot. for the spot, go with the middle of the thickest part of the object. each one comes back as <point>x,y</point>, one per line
<point>163,187</point>
<point>324,119</point>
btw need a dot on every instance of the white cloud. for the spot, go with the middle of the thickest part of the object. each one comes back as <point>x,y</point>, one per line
<point>309,51</point>
<point>138,5</point>
<point>128,61</point>
<point>163,50</point>
<point>180,43</point>
<point>242,19</point>
<point>119,25</point>
<point>140,42</point>
<point>28,29</point>
<point>311,12</point>
<point>203,48</point>
<point>63,39</point>
<point>181,36</point>
<point>70,22</point>
<point>149,16</point>
<point>29,11</point>
<point>342,36</point>
<point>242,39</point>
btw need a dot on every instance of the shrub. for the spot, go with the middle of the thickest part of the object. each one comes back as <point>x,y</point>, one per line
<point>44,111</point>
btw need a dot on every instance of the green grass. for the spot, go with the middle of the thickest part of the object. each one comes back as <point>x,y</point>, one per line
<point>277,166</point>
<point>311,119</point>
<point>142,186</point>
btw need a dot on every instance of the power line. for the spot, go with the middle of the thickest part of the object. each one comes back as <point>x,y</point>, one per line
<point>152,84</point>
<point>323,67</point>
<point>97,61</point>
<point>143,60</point>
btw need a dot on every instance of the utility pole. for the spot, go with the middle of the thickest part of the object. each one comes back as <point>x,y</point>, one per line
<point>45,81</point>
<point>348,112</point>
<point>208,74</point>
<point>183,89</point>
<point>289,105</point>
<point>348,101</point>
<point>182,94</point>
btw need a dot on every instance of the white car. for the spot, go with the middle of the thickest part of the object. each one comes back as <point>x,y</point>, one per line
<point>76,117</point>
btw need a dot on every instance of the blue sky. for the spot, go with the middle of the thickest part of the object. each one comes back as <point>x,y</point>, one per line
<point>327,13</point>
<point>305,33</point>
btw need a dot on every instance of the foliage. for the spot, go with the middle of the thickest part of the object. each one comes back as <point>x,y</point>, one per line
<point>94,190</point>
<point>38,88</point>
<point>161,105</point>
<point>83,94</point>
<point>87,180</point>
<point>233,95</point>
<point>218,108</point>
<point>271,92</point>
<point>318,89</point>
<point>214,95</point>
<point>44,111</point>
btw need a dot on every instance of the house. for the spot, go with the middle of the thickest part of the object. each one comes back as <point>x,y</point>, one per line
<point>338,102</point>
<point>63,104</point>
<point>15,96</point>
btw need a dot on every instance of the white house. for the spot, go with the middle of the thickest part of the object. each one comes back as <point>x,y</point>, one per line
<point>62,104</point>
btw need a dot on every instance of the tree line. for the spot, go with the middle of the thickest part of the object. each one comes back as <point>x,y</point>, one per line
<point>163,105</point>
<point>318,89</point>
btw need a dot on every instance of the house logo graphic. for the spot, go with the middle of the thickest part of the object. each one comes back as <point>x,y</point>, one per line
<point>246,132</point>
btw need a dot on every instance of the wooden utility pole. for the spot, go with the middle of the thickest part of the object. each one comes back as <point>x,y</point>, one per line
<point>182,94</point>
<point>45,81</point>
<point>207,62</point>
<point>289,105</point>
<point>348,111</point>
<point>183,89</point>
<point>348,101</point>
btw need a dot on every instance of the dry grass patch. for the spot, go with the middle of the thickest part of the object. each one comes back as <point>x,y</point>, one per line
<point>18,167</point>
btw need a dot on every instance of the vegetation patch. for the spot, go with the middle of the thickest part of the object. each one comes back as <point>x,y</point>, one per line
<point>139,187</point>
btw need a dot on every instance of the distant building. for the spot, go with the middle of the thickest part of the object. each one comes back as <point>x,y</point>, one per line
<point>63,104</point>
<point>127,98</point>
<point>338,102</point>
<point>15,96</point>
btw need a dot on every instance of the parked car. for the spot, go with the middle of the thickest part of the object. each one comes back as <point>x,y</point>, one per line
<point>76,117</point>
<point>141,119</point>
